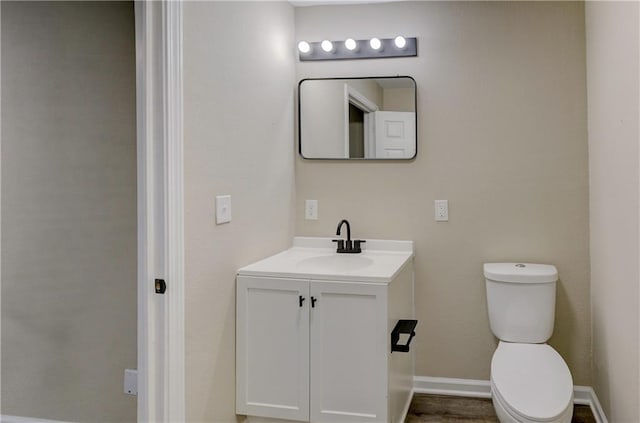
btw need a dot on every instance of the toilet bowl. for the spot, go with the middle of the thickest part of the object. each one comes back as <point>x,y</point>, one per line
<point>530,383</point>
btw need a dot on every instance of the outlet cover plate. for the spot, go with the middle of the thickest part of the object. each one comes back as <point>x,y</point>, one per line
<point>131,381</point>
<point>311,209</point>
<point>442,210</point>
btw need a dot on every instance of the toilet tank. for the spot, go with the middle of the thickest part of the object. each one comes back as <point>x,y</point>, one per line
<point>521,299</point>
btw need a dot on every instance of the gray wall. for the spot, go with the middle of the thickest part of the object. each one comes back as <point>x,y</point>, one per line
<point>502,135</point>
<point>68,210</point>
<point>326,121</point>
<point>613,72</point>
<point>238,120</point>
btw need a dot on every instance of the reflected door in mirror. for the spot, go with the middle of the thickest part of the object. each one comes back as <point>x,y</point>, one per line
<point>357,118</point>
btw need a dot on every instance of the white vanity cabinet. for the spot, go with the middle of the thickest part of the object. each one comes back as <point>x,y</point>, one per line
<point>272,347</point>
<point>349,347</point>
<point>315,345</point>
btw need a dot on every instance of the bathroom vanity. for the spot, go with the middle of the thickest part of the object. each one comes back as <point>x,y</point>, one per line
<point>314,333</point>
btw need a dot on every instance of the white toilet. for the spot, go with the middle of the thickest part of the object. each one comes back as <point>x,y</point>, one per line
<point>530,382</point>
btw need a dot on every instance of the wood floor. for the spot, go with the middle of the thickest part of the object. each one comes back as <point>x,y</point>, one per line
<point>446,409</point>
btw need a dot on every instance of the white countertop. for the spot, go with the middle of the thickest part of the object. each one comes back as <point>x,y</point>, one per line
<point>316,259</point>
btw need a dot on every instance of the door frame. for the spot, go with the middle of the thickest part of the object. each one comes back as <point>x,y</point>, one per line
<point>159,109</point>
<point>362,102</point>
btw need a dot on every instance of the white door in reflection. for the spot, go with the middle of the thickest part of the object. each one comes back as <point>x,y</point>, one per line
<point>395,135</point>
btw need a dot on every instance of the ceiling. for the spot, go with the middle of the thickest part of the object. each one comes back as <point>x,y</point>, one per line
<point>302,3</point>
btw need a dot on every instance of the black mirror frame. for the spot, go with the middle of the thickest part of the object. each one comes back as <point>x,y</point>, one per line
<point>415,99</point>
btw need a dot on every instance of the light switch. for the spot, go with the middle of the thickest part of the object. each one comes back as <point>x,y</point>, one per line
<point>223,209</point>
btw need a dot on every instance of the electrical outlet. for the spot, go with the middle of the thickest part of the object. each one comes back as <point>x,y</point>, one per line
<point>131,381</point>
<point>311,209</point>
<point>442,210</point>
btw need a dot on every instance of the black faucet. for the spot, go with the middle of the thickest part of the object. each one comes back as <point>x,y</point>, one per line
<point>347,246</point>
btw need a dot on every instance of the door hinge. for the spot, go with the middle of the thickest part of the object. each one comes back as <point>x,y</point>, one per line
<point>161,286</point>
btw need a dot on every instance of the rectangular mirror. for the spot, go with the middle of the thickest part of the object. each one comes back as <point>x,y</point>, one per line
<point>357,118</point>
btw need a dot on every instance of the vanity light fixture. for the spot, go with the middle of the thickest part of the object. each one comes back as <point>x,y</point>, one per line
<point>358,49</point>
<point>327,46</point>
<point>350,44</point>
<point>304,47</point>
<point>400,41</point>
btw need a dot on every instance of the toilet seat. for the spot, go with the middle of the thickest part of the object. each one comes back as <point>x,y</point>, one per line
<point>507,415</point>
<point>532,382</point>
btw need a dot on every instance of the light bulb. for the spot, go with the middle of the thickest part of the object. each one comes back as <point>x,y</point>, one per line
<point>304,47</point>
<point>375,43</point>
<point>350,44</point>
<point>400,42</point>
<point>327,46</point>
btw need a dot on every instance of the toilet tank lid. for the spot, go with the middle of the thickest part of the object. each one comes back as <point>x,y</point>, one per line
<point>520,272</point>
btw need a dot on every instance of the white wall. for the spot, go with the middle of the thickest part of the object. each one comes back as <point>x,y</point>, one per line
<point>68,210</point>
<point>239,87</point>
<point>501,135</point>
<point>613,33</point>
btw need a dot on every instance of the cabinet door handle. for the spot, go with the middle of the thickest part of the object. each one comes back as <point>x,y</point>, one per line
<point>313,302</point>
<point>300,300</point>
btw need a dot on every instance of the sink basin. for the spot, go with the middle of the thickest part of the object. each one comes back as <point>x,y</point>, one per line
<point>335,262</point>
<point>316,259</point>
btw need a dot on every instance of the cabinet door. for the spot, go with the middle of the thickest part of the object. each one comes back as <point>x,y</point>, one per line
<point>348,352</point>
<point>272,348</point>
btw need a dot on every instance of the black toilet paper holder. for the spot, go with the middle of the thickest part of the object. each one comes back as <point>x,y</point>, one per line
<point>406,327</point>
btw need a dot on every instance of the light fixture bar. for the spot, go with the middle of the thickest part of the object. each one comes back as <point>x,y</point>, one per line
<point>363,51</point>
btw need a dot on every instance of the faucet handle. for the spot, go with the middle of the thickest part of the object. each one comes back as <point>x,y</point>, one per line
<point>340,244</point>
<point>348,246</point>
<point>356,244</point>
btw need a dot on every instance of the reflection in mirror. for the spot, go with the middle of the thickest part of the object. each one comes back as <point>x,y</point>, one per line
<point>357,118</point>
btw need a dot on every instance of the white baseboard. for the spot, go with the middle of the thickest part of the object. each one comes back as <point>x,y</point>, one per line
<point>583,395</point>
<point>19,419</point>
<point>450,386</point>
